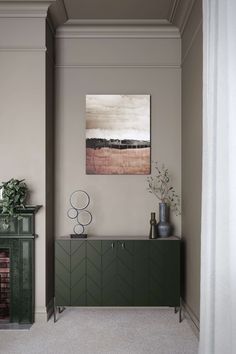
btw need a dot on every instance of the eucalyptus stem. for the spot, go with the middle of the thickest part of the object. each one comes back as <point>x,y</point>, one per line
<point>160,186</point>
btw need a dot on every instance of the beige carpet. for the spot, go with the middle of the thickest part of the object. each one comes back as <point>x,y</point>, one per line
<point>104,331</point>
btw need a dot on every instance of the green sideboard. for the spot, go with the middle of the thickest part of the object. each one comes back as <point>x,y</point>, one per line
<point>117,272</point>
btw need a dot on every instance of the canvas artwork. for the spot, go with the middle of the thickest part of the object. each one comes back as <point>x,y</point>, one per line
<point>118,134</point>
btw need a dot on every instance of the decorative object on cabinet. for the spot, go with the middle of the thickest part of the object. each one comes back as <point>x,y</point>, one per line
<point>79,201</point>
<point>164,227</point>
<point>153,226</point>
<point>118,134</point>
<point>160,185</point>
<point>13,193</point>
<point>117,272</point>
<point>17,268</point>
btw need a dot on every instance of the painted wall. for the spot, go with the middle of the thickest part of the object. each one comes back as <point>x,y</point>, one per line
<point>49,167</point>
<point>120,205</point>
<point>192,155</point>
<point>22,116</point>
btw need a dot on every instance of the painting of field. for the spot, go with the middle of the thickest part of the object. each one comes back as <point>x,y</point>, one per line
<point>118,134</point>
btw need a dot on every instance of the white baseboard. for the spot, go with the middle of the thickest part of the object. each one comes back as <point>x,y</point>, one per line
<point>40,314</point>
<point>191,318</point>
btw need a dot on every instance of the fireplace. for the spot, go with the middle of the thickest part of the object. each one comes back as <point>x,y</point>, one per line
<point>17,245</point>
<point>4,285</point>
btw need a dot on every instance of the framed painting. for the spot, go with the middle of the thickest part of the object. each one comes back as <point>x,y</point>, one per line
<point>118,134</point>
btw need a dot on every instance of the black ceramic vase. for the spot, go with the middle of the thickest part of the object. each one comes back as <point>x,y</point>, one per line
<point>164,228</point>
<point>153,227</point>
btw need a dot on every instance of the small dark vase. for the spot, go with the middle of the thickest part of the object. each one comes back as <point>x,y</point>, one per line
<point>153,227</point>
<point>164,228</point>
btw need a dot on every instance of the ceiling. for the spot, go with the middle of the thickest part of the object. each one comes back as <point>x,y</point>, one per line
<point>120,9</point>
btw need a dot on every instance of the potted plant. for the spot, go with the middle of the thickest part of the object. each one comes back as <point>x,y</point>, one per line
<point>160,185</point>
<point>14,194</point>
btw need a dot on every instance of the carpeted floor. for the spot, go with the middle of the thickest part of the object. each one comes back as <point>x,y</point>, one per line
<point>104,331</point>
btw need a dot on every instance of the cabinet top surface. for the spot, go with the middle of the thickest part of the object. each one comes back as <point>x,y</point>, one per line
<point>132,238</point>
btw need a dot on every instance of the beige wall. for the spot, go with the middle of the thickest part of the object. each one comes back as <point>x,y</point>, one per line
<point>23,118</point>
<point>120,205</point>
<point>192,155</point>
<point>49,168</point>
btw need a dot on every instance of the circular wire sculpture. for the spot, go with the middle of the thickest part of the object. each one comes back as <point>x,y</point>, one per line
<point>84,217</point>
<point>78,229</point>
<point>79,201</point>
<point>72,213</point>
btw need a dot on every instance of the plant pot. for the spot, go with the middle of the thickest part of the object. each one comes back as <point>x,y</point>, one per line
<point>164,227</point>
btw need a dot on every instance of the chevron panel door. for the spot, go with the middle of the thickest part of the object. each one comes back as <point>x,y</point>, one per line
<point>78,273</point>
<point>109,273</point>
<point>94,273</point>
<point>141,271</point>
<point>62,272</point>
<point>164,273</point>
<point>125,273</point>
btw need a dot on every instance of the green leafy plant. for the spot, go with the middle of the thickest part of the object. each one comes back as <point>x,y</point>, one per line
<point>160,185</point>
<point>13,197</point>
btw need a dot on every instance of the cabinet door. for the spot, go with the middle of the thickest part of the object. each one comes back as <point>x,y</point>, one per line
<point>62,272</point>
<point>117,273</point>
<point>78,273</point>
<point>94,273</point>
<point>125,273</point>
<point>141,271</point>
<point>109,273</point>
<point>164,273</point>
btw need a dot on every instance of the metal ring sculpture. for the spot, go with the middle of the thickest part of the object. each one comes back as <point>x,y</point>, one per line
<point>79,201</point>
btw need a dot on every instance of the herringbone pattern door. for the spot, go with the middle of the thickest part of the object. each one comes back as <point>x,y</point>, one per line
<point>141,273</point>
<point>164,273</point>
<point>94,273</point>
<point>125,273</point>
<point>109,273</point>
<point>62,272</point>
<point>78,273</point>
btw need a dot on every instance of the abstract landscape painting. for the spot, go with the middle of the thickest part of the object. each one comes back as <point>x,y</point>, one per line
<point>118,134</point>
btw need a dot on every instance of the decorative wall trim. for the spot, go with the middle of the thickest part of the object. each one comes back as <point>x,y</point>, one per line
<point>50,25</point>
<point>105,66</point>
<point>57,13</point>
<point>181,14</point>
<point>191,42</point>
<point>191,318</point>
<point>172,11</point>
<point>5,49</point>
<point>15,9</point>
<point>40,314</point>
<point>117,29</point>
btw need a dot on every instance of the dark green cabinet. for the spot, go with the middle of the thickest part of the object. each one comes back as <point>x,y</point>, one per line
<point>117,272</point>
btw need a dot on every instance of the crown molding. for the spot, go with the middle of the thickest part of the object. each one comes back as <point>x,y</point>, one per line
<point>24,9</point>
<point>172,10</point>
<point>117,29</point>
<point>57,14</point>
<point>181,13</point>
